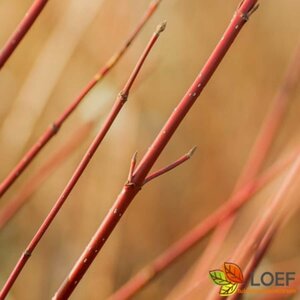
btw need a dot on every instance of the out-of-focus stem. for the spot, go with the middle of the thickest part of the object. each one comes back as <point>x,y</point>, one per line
<point>9,210</point>
<point>118,105</point>
<point>257,156</point>
<point>273,214</point>
<point>52,130</point>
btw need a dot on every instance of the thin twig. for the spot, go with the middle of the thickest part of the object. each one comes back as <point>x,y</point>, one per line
<point>52,130</point>
<point>21,30</point>
<point>170,167</point>
<point>119,103</point>
<point>132,166</point>
<point>12,207</point>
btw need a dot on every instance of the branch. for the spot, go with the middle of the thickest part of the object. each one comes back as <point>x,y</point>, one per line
<point>52,130</point>
<point>12,207</point>
<point>119,103</point>
<point>170,167</point>
<point>201,230</point>
<point>21,30</point>
<point>128,193</point>
<point>132,167</point>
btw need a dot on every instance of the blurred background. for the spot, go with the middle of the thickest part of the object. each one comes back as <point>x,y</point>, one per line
<point>69,42</point>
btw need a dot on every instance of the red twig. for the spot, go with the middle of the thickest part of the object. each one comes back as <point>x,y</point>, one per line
<point>31,185</point>
<point>131,189</point>
<point>119,103</point>
<point>195,235</point>
<point>22,29</point>
<point>57,124</point>
<point>170,167</point>
<point>132,167</point>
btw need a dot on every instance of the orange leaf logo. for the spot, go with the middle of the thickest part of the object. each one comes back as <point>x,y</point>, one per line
<point>233,272</point>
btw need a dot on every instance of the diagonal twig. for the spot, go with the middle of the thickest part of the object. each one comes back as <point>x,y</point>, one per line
<point>119,103</point>
<point>21,30</point>
<point>170,167</point>
<point>52,130</point>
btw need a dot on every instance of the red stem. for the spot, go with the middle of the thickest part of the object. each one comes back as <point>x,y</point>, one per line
<point>120,101</point>
<point>170,167</point>
<point>195,235</point>
<point>132,166</point>
<point>30,186</point>
<point>22,29</point>
<point>131,189</point>
<point>51,131</point>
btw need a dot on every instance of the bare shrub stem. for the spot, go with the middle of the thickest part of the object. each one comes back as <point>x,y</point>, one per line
<point>131,189</point>
<point>118,105</point>
<point>21,30</point>
<point>52,130</point>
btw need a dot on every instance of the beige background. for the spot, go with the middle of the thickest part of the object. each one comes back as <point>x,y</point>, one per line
<point>66,46</point>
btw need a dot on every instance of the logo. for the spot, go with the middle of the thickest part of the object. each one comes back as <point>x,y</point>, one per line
<point>228,279</point>
<point>231,276</point>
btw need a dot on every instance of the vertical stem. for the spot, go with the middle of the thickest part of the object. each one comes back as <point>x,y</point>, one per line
<point>130,189</point>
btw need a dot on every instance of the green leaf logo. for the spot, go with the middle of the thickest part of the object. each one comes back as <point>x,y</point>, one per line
<point>219,277</point>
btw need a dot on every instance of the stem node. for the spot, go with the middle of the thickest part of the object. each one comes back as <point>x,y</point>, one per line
<point>55,128</point>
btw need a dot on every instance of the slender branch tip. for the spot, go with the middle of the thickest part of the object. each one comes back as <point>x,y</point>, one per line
<point>134,157</point>
<point>191,152</point>
<point>132,166</point>
<point>161,27</point>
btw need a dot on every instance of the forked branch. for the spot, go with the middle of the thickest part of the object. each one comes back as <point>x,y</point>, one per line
<point>201,230</point>
<point>129,192</point>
